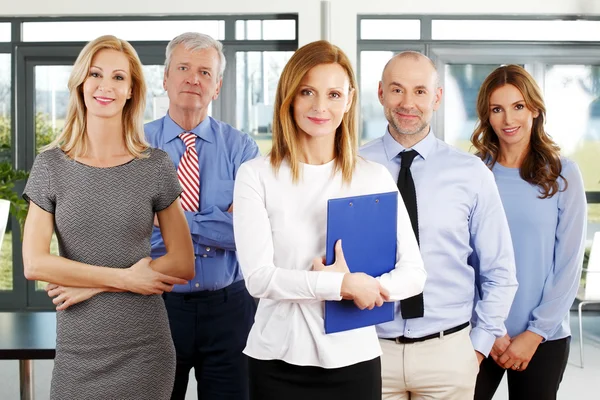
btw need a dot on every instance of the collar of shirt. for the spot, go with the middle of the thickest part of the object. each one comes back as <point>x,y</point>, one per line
<point>171,130</point>
<point>393,148</point>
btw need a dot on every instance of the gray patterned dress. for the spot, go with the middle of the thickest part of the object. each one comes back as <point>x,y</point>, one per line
<point>114,345</point>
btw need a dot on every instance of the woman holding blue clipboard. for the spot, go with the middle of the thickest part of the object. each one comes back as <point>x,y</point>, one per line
<point>280,223</point>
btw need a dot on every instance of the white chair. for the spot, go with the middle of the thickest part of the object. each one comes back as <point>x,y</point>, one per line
<point>590,292</point>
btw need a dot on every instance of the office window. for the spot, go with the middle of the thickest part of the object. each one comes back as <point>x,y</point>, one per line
<point>572,96</point>
<point>270,29</point>
<point>392,29</point>
<point>5,28</point>
<point>461,86</point>
<point>516,30</point>
<point>257,76</point>
<point>84,31</point>
<point>6,270</point>
<point>372,120</point>
<point>260,44</point>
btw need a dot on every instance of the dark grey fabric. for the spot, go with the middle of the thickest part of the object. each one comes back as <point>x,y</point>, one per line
<point>114,345</point>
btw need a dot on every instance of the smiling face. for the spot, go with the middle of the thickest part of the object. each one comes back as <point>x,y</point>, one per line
<point>409,95</point>
<point>192,80</point>
<point>509,116</point>
<point>108,85</point>
<point>323,97</point>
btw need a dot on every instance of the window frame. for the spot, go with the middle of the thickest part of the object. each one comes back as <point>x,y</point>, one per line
<point>531,53</point>
<point>26,55</point>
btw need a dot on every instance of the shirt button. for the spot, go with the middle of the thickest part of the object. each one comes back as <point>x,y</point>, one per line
<point>197,285</point>
<point>408,331</point>
<point>204,255</point>
<point>208,249</point>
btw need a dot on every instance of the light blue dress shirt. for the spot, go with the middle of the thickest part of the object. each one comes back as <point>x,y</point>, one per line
<point>464,240</point>
<point>549,239</point>
<point>221,150</point>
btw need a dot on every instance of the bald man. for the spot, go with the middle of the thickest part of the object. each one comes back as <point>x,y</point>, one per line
<point>433,348</point>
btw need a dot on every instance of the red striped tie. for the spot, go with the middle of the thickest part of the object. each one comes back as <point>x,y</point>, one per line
<point>189,174</point>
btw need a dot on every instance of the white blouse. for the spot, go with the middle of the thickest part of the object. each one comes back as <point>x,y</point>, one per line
<point>280,227</point>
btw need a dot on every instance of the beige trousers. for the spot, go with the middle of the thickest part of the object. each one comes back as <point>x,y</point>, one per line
<point>436,369</point>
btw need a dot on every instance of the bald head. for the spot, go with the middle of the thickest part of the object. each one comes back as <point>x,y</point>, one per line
<point>409,93</point>
<point>412,59</point>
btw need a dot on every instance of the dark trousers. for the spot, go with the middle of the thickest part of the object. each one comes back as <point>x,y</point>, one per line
<point>278,380</point>
<point>539,381</point>
<point>209,331</point>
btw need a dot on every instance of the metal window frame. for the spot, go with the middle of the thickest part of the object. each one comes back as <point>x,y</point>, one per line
<point>26,55</point>
<point>532,53</point>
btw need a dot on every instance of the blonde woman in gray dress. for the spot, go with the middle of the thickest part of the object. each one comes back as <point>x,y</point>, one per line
<point>98,186</point>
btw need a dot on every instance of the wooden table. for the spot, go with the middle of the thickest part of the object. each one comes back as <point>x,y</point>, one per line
<point>27,336</point>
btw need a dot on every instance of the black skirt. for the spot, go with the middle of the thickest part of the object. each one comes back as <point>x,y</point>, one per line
<point>278,380</point>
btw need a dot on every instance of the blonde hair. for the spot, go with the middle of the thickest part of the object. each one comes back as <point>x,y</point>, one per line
<point>73,140</point>
<point>285,130</point>
<point>542,166</point>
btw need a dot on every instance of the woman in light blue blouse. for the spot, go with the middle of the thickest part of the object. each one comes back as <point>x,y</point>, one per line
<point>545,205</point>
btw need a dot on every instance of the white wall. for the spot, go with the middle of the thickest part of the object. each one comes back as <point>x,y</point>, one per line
<point>343,12</point>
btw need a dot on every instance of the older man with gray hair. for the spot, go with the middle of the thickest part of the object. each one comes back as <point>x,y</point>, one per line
<point>211,315</point>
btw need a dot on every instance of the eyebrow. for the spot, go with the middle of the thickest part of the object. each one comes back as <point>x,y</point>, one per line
<point>116,70</point>
<point>516,102</point>
<point>310,87</point>
<point>187,64</point>
<point>419,87</point>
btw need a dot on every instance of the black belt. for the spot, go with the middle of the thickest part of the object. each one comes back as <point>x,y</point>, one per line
<point>439,335</point>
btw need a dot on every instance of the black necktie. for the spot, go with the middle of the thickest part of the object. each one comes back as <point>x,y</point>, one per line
<point>413,306</point>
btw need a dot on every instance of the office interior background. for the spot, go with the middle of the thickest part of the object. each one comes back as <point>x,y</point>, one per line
<point>558,41</point>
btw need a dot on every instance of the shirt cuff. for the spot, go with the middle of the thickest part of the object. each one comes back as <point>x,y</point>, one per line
<point>329,285</point>
<point>482,340</point>
<point>539,332</point>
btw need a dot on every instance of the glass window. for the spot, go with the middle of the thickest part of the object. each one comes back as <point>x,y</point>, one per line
<point>5,32</point>
<point>257,76</point>
<point>517,30</point>
<point>6,270</point>
<point>373,122</point>
<point>5,115</point>
<point>390,29</point>
<point>572,96</point>
<point>461,86</point>
<point>268,29</point>
<point>51,100</point>
<point>157,101</point>
<point>593,222</point>
<point>76,31</point>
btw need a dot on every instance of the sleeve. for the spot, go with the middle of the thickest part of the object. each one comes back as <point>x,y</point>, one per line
<point>168,183</point>
<point>38,187</point>
<point>561,285</point>
<point>408,277</point>
<point>212,226</point>
<point>494,267</point>
<point>255,251</point>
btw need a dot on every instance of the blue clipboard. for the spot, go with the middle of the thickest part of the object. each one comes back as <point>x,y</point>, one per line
<point>367,226</point>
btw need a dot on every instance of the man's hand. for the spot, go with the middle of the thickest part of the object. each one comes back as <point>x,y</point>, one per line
<point>230,209</point>
<point>500,346</point>
<point>520,351</point>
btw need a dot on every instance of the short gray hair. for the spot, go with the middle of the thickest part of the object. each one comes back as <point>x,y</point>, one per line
<point>195,41</point>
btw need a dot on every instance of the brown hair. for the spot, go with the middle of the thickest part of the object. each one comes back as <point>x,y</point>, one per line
<point>542,166</point>
<point>73,140</point>
<point>285,130</point>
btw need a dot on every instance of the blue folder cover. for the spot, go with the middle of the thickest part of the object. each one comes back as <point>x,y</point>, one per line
<point>367,226</point>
